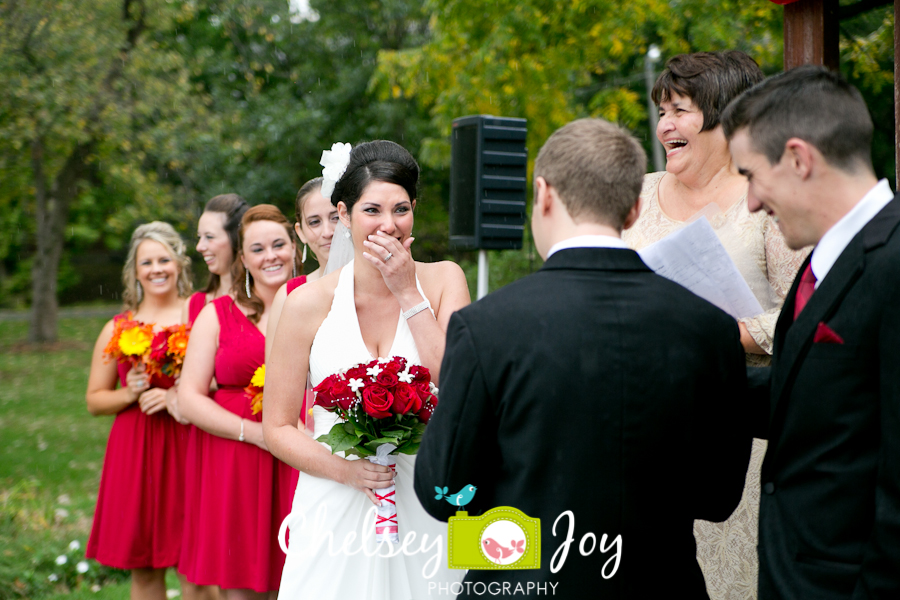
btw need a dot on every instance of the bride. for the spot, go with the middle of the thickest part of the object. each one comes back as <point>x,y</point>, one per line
<point>381,304</point>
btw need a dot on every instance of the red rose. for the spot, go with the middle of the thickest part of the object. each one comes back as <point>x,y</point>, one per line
<point>423,389</point>
<point>342,393</point>
<point>427,410</point>
<point>420,375</point>
<point>377,401</point>
<point>324,395</point>
<point>397,364</point>
<point>387,378</point>
<point>356,373</point>
<point>159,346</point>
<point>406,400</point>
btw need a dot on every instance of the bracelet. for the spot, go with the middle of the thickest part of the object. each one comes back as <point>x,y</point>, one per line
<point>407,314</point>
<point>241,437</point>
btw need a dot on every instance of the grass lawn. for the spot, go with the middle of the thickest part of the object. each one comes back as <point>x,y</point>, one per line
<point>50,460</point>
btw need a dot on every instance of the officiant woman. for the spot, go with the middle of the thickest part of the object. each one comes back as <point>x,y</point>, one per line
<point>690,93</point>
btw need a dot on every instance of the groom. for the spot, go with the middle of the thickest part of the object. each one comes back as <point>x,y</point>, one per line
<point>595,387</point>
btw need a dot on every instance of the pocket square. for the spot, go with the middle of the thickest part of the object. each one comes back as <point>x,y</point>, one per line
<point>827,335</point>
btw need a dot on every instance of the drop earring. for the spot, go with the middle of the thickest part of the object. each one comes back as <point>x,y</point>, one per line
<point>294,264</point>
<point>140,291</point>
<point>303,258</point>
<point>247,282</point>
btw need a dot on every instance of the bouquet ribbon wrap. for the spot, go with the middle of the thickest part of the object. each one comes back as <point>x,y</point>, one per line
<point>386,515</point>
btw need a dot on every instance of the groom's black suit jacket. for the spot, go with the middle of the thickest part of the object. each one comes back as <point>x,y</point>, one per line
<point>597,387</point>
<point>830,507</point>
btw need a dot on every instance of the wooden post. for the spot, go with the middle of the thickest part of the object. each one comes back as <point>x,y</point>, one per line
<point>811,34</point>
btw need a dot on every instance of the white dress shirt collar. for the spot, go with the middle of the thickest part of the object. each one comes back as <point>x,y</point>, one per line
<point>588,241</point>
<point>836,239</point>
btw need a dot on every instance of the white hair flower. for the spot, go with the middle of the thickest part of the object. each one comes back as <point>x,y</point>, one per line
<point>335,162</point>
<point>82,567</point>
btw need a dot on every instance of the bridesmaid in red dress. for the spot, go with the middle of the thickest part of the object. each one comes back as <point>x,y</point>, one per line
<point>217,244</point>
<point>138,518</point>
<point>241,498</point>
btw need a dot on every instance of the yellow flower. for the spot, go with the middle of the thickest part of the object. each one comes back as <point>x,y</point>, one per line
<point>135,341</point>
<point>256,404</point>
<point>259,377</point>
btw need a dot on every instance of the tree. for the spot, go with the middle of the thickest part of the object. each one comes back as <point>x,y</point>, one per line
<point>87,97</point>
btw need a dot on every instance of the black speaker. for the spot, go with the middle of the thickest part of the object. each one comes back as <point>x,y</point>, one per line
<point>488,177</point>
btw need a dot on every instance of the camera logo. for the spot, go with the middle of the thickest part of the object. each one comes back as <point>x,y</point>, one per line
<point>502,538</point>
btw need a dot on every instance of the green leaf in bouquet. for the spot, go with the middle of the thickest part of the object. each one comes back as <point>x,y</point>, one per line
<point>373,445</point>
<point>339,439</point>
<point>407,448</point>
<point>397,432</point>
<point>360,451</point>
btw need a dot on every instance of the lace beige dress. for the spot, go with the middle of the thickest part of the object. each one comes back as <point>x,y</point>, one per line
<point>727,551</point>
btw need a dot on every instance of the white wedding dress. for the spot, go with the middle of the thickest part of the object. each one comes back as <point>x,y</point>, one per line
<point>324,509</point>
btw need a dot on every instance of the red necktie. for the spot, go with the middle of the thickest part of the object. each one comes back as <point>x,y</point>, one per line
<point>804,290</point>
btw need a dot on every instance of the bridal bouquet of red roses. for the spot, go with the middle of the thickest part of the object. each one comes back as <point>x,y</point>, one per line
<point>385,401</point>
<point>383,407</point>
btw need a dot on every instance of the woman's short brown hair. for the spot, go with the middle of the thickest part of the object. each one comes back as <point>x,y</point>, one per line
<point>710,79</point>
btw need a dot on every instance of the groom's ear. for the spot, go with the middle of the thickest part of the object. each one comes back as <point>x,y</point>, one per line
<point>633,214</point>
<point>543,199</point>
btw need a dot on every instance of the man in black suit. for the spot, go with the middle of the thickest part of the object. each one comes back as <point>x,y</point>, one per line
<point>594,395</point>
<point>829,522</point>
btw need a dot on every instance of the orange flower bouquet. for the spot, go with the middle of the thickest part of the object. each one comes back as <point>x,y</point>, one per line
<point>130,342</point>
<point>254,391</point>
<point>167,351</point>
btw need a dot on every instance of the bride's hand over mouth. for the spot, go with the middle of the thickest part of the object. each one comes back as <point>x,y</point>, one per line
<point>395,262</point>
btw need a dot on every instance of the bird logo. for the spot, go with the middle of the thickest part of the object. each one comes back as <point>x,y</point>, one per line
<point>495,551</point>
<point>460,499</point>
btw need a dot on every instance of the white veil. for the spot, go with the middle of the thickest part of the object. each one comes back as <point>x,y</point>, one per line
<point>341,251</point>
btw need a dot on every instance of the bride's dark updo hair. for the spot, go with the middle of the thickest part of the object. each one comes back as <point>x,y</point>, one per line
<point>379,160</point>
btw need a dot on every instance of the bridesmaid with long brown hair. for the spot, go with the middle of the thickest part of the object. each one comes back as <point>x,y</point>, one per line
<point>217,244</point>
<point>139,514</point>
<point>241,498</point>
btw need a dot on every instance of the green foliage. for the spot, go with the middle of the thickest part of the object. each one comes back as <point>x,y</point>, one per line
<point>50,463</point>
<point>867,60</point>
<point>214,96</point>
<point>551,62</point>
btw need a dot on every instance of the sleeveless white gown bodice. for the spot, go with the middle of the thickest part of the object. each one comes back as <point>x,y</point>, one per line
<point>322,508</point>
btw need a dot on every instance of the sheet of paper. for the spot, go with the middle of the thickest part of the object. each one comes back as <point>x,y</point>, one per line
<point>694,257</point>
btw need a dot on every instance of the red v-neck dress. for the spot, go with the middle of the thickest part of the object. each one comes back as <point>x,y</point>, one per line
<point>241,494</point>
<point>139,514</point>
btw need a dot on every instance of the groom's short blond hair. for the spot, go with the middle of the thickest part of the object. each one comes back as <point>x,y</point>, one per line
<point>596,168</point>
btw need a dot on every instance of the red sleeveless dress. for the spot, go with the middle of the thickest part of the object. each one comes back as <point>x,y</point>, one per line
<point>139,515</point>
<point>292,285</point>
<point>192,457</point>
<point>240,494</point>
<point>195,304</point>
